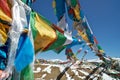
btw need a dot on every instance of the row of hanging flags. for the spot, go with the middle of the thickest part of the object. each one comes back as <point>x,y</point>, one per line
<point>19,42</point>
<point>80,23</point>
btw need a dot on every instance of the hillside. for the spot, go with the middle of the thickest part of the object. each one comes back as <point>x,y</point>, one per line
<point>59,70</point>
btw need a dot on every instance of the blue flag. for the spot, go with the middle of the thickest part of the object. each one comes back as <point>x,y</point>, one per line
<point>60,8</point>
<point>25,52</point>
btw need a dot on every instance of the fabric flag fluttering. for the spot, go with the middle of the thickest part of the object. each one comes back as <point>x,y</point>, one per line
<point>5,24</point>
<point>60,13</point>
<point>4,27</point>
<point>72,7</point>
<point>63,24</point>
<point>25,52</point>
<point>59,7</point>
<point>17,47</point>
<point>80,22</point>
<point>27,73</point>
<point>69,52</point>
<point>70,55</point>
<point>5,7</point>
<point>46,35</point>
<point>19,41</point>
<point>43,34</point>
<point>79,50</point>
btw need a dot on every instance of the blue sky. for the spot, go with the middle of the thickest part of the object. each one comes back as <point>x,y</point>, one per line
<point>103,17</point>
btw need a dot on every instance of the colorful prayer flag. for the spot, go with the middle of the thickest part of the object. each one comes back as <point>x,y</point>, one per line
<point>25,52</point>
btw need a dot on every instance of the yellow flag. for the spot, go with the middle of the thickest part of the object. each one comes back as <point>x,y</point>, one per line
<point>77,12</point>
<point>3,27</point>
<point>45,34</point>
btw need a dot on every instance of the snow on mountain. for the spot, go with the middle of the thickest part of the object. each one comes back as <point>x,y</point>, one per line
<point>106,77</point>
<point>54,60</point>
<point>94,60</point>
<point>88,70</point>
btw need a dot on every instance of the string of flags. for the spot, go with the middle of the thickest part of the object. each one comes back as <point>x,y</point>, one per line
<point>20,41</point>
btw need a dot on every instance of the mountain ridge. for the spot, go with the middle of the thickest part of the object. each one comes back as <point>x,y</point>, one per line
<point>85,70</point>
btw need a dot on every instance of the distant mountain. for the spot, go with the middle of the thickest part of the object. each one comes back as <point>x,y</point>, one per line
<point>86,70</point>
